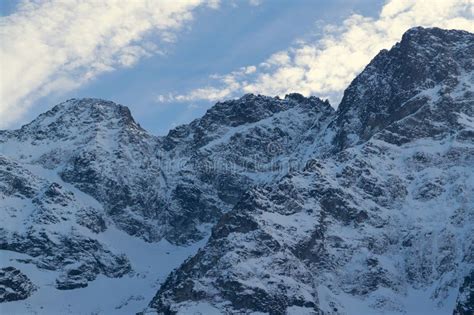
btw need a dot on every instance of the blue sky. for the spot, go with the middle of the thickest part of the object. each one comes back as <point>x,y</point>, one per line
<point>218,41</point>
<point>271,40</point>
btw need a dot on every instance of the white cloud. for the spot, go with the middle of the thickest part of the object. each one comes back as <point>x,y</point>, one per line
<point>327,66</point>
<point>231,82</point>
<point>255,2</point>
<point>55,45</point>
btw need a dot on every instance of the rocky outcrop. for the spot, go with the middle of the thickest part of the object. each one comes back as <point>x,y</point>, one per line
<point>51,225</point>
<point>384,217</point>
<point>309,210</point>
<point>465,300</point>
<point>428,66</point>
<point>14,285</point>
<point>167,187</point>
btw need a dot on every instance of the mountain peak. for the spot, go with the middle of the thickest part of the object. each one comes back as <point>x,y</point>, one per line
<point>420,34</point>
<point>286,222</point>
<point>425,65</point>
<point>99,109</point>
<point>78,116</point>
<point>249,109</point>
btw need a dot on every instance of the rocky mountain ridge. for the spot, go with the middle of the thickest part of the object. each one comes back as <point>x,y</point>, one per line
<point>384,220</point>
<point>308,210</point>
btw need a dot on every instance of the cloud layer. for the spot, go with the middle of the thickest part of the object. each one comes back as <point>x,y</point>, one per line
<point>325,67</point>
<point>53,45</point>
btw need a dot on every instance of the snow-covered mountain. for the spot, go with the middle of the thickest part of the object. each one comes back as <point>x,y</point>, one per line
<point>89,197</point>
<point>278,206</point>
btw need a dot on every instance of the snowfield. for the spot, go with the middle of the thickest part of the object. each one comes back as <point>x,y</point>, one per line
<point>265,205</point>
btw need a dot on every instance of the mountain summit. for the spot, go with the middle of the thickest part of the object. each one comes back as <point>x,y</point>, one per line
<point>264,205</point>
<point>384,224</point>
<point>428,66</point>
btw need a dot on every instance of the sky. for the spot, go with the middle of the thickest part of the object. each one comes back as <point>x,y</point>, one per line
<point>169,61</point>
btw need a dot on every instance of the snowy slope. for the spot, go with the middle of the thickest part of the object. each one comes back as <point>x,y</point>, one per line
<point>367,233</point>
<point>89,199</point>
<point>264,205</point>
<point>385,224</point>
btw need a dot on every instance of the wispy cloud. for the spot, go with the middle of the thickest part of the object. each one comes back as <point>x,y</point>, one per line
<point>53,45</point>
<point>231,82</point>
<point>327,65</point>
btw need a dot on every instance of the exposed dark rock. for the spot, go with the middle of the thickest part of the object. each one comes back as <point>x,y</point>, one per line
<point>465,300</point>
<point>14,285</point>
<point>306,207</point>
<point>372,219</point>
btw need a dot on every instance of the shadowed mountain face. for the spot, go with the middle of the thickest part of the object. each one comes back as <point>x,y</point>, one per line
<point>366,209</point>
<point>383,223</point>
<point>86,167</point>
<point>428,65</point>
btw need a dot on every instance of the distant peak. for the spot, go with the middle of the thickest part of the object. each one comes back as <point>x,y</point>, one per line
<point>87,103</point>
<point>296,97</point>
<point>80,114</point>
<point>300,98</point>
<point>249,97</point>
<point>423,31</point>
<point>390,87</point>
<point>434,36</point>
<point>251,108</point>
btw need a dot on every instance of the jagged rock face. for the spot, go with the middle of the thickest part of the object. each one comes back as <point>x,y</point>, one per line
<point>428,65</point>
<point>465,299</point>
<point>47,222</point>
<point>367,209</point>
<point>246,112</point>
<point>97,146</point>
<point>166,187</point>
<point>14,285</point>
<point>350,228</point>
<point>137,185</point>
<point>370,228</point>
<point>232,148</point>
